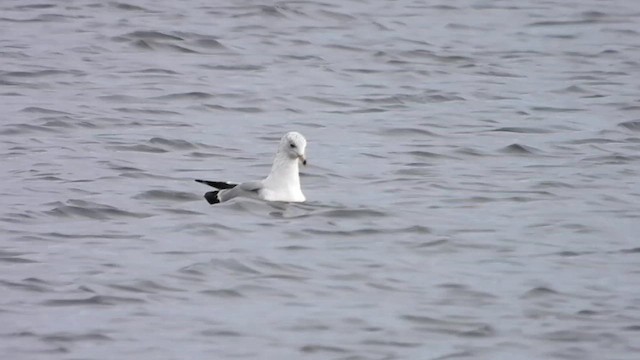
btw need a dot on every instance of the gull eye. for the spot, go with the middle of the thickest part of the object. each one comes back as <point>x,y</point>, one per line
<point>292,145</point>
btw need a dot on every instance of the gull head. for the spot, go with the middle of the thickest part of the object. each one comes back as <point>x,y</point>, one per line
<point>293,145</point>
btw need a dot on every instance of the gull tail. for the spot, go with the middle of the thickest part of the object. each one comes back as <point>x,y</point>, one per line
<point>212,197</point>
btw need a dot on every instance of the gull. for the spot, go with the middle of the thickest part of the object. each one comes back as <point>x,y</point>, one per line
<point>282,184</point>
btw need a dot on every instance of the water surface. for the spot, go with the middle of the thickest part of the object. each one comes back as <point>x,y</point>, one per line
<point>473,180</point>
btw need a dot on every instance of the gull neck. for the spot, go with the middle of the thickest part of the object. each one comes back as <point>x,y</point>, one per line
<point>284,171</point>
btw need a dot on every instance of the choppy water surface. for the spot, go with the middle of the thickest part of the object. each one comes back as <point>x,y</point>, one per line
<point>473,180</point>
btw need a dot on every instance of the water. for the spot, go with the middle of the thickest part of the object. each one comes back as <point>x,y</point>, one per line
<point>473,180</point>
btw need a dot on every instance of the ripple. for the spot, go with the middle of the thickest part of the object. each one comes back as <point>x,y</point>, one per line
<point>139,148</point>
<point>562,23</point>
<point>391,343</point>
<point>241,109</point>
<point>425,154</point>
<point>150,35</point>
<point>554,109</point>
<point>407,132</point>
<point>539,292</point>
<point>178,144</point>
<point>86,209</point>
<point>237,67</point>
<point>315,348</point>
<point>153,111</point>
<point>127,7</point>
<point>221,333</point>
<point>570,336</point>
<point>469,151</point>
<point>21,129</point>
<point>457,327</point>
<point>223,293</point>
<point>631,125</point>
<point>554,184</point>
<point>42,73</point>
<point>70,337</point>
<point>522,130</point>
<point>143,286</point>
<point>167,195</point>
<point>194,95</point>
<point>27,284</point>
<point>631,250</point>
<point>94,300</point>
<point>209,43</point>
<point>324,101</point>
<point>228,265</point>
<point>40,110</point>
<point>350,213</point>
<point>518,149</point>
<point>16,260</point>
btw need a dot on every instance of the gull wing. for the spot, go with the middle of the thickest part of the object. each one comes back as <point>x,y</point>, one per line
<point>221,185</point>
<point>250,189</point>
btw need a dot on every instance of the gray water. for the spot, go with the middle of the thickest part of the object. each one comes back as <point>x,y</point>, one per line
<point>472,183</point>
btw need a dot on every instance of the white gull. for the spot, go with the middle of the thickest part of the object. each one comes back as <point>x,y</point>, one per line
<point>282,184</point>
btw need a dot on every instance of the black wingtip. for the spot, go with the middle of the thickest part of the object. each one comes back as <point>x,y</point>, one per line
<point>212,197</point>
<point>217,184</point>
